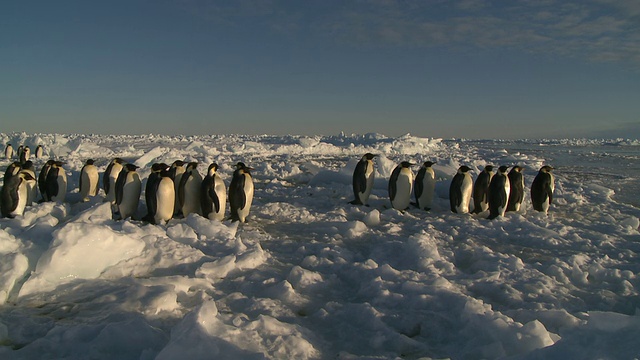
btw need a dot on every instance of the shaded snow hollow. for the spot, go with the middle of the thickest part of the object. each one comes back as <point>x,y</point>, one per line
<point>311,276</point>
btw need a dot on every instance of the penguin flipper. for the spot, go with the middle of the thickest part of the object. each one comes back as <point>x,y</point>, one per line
<point>214,199</point>
<point>392,183</point>
<point>359,178</point>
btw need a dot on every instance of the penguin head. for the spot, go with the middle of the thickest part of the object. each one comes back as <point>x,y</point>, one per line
<point>158,167</point>
<point>89,162</point>
<point>58,163</point>
<point>406,164</point>
<point>546,169</point>
<point>27,176</point>
<point>242,166</point>
<point>213,167</point>
<point>192,166</point>
<point>13,169</point>
<point>117,161</point>
<point>177,163</point>
<point>503,169</point>
<point>28,165</point>
<point>488,168</point>
<point>130,167</point>
<point>428,164</point>
<point>517,168</point>
<point>464,169</point>
<point>368,156</point>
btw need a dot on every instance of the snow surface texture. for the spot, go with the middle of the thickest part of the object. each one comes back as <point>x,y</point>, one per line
<point>311,276</point>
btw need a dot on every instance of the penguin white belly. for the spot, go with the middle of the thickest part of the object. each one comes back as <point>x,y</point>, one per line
<point>221,192</point>
<point>248,193</point>
<point>23,193</point>
<point>89,183</point>
<point>62,187</point>
<point>466,189</point>
<point>113,177</point>
<point>428,189</point>
<point>130,196</point>
<point>503,207</point>
<point>404,185</point>
<point>32,188</point>
<point>370,176</point>
<point>192,196</point>
<point>165,201</point>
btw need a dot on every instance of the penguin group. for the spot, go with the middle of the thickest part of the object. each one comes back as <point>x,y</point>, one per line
<point>496,193</point>
<point>171,191</point>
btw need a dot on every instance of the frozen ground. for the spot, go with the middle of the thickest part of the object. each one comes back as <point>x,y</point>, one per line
<point>313,277</point>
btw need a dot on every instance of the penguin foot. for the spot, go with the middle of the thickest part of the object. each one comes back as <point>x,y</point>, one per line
<point>355,202</point>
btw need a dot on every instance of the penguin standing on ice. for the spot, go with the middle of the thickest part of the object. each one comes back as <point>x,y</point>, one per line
<point>516,193</point>
<point>214,194</point>
<point>8,151</point>
<point>425,186</point>
<point>32,186</point>
<point>25,155</point>
<point>176,171</point>
<point>14,191</point>
<point>542,189</point>
<point>460,190</point>
<point>499,190</point>
<point>42,179</point>
<point>56,182</point>
<point>241,192</point>
<point>109,179</point>
<point>128,188</point>
<point>481,190</point>
<point>88,180</point>
<point>39,152</point>
<point>401,185</point>
<point>363,177</point>
<point>159,194</point>
<point>189,190</point>
<point>19,151</point>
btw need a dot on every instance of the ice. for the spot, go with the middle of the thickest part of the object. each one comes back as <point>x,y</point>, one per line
<point>310,276</point>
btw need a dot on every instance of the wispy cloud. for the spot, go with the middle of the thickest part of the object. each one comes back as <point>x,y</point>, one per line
<point>598,30</point>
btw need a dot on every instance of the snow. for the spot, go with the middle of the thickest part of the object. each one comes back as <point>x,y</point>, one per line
<point>310,276</point>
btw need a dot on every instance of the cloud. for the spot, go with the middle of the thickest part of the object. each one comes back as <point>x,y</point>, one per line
<point>597,30</point>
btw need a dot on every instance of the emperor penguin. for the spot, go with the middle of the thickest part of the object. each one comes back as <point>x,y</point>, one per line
<point>401,185</point>
<point>542,189</point>
<point>25,154</point>
<point>189,190</point>
<point>56,182</point>
<point>8,151</point>
<point>19,151</point>
<point>425,185</point>
<point>516,192</point>
<point>460,190</point>
<point>481,190</point>
<point>128,188</point>
<point>159,194</point>
<point>109,179</point>
<point>214,194</point>
<point>88,180</point>
<point>39,152</point>
<point>363,177</point>
<point>42,179</point>
<point>176,171</point>
<point>241,192</point>
<point>32,186</point>
<point>499,190</point>
<point>14,192</point>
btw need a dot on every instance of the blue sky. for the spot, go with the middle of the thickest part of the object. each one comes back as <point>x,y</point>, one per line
<point>470,68</point>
